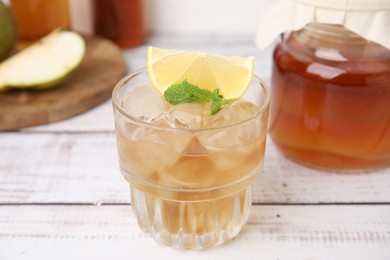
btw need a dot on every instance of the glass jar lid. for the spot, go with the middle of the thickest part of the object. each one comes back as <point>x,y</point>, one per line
<point>368,18</point>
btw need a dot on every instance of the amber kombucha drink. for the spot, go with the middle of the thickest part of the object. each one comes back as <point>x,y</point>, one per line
<point>121,21</point>
<point>190,173</point>
<point>36,18</point>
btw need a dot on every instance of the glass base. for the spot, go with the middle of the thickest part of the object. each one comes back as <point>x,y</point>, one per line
<point>192,225</point>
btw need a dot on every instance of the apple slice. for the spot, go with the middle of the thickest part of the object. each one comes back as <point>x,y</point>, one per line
<point>44,64</point>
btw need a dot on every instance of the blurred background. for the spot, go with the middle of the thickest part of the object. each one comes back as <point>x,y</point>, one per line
<point>203,18</point>
<point>225,27</point>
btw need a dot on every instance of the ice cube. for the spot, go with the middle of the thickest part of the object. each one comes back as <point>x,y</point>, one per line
<point>231,159</point>
<point>231,134</point>
<point>146,156</point>
<point>194,147</point>
<point>236,163</point>
<point>187,116</point>
<point>237,111</point>
<point>189,172</point>
<point>144,103</point>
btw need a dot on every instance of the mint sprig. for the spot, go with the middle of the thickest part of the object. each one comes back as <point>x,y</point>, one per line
<point>186,92</point>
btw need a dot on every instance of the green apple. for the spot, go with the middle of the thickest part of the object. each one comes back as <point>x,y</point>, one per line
<point>44,64</point>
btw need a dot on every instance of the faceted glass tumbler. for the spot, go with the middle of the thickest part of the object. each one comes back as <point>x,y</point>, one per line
<point>191,188</point>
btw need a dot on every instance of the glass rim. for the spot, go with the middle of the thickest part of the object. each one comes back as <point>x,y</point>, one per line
<point>331,29</point>
<point>128,77</point>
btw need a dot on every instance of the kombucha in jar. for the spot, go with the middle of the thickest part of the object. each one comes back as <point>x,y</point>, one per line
<point>330,105</point>
<point>36,18</point>
<point>120,21</point>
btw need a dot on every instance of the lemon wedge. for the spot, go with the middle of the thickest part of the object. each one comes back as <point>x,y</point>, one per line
<point>231,75</point>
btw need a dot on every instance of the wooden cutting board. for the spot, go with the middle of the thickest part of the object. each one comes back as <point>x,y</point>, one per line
<point>89,85</point>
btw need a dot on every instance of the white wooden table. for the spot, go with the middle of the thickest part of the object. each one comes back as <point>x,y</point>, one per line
<point>62,196</point>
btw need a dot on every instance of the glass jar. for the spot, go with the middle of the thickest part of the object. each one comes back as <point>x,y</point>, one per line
<point>36,18</point>
<point>330,105</point>
<point>121,21</point>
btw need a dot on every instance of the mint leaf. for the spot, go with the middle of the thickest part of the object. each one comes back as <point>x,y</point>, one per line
<point>186,92</point>
<point>216,106</point>
<point>218,102</point>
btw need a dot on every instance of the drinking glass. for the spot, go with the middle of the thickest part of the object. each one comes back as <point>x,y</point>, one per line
<point>190,188</point>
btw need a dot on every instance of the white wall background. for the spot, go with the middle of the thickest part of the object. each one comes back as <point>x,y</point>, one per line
<point>211,17</point>
<point>186,17</point>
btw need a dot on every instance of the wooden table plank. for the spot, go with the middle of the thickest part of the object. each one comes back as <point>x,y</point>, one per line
<point>293,232</point>
<point>83,168</point>
<point>98,119</point>
<point>56,168</point>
